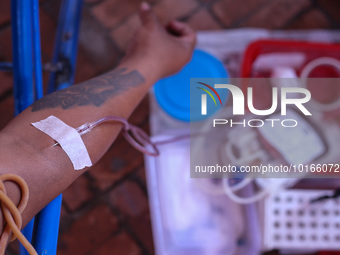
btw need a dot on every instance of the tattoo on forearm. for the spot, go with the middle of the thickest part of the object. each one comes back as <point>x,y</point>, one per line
<point>93,92</point>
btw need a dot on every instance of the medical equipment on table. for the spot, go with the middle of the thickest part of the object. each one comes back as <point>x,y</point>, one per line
<point>210,224</point>
<point>209,187</point>
<point>266,145</point>
<point>290,221</point>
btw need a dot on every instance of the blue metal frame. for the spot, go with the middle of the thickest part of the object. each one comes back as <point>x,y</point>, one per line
<point>22,65</point>
<point>6,66</point>
<point>22,54</point>
<point>65,49</point>
<point>46,228</point>
<point>28,87</point>
<point>39,93</point>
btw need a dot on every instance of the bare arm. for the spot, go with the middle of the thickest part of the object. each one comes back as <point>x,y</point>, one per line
<point>154,53</point>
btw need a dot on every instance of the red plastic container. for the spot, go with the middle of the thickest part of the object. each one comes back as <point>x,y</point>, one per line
<point>311,50</point>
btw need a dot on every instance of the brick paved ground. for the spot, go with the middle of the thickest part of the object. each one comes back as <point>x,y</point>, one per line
<point>106,210</point>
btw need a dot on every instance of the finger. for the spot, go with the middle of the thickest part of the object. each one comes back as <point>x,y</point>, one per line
<point>147,16</point>
<point>182,30</point>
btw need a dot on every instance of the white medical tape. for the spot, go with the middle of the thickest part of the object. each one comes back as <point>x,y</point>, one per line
<point>68,138</point>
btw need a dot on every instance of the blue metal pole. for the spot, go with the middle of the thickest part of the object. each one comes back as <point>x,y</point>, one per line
<point>46,228</point>
<point>37,50</point>
<point>28,233</point>
<point>66,44</point>
<point>22,54</point>
<point>65,51</point>
<point>27,68</point>
<point>22,66</point>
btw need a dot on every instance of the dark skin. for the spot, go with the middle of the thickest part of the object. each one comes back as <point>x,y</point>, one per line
<point>107,86</point>
<point>154,52</point>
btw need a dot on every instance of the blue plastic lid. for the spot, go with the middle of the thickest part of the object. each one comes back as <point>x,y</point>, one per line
<point>173,93</point>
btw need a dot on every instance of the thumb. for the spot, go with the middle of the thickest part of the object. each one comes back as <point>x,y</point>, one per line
<point>183,31</point>
<point>147,16</point>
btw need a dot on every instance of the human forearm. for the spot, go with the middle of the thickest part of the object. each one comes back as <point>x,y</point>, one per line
<point>156,52</point>
<point>30,153</point>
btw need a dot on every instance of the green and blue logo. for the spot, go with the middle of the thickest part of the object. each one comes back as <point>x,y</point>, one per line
<point>204,97</point>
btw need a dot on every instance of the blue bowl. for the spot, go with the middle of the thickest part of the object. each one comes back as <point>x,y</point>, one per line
<point>173,93</point>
